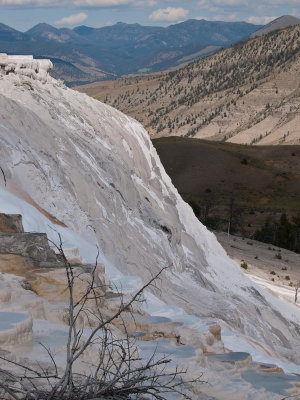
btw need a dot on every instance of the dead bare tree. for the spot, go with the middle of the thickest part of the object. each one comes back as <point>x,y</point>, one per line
<point>293,396</point>
<point>4,177</point>
<point>117,372</point>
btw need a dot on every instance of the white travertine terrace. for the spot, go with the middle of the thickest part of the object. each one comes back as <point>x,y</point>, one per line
<point>70,156</point>
<point>25,65</point>
<point>16,330</point>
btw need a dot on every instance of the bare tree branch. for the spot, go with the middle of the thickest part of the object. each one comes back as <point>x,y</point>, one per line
<point>4,177</point>
<point>118,372</point>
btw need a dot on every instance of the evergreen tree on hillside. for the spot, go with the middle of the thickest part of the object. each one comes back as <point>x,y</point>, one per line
<point>283,233</point>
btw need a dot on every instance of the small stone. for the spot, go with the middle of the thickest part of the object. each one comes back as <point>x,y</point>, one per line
<point>26,285</point>
<point>216,331</point>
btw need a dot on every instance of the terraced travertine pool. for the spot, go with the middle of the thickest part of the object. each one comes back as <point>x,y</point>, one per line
<point>9,319</point>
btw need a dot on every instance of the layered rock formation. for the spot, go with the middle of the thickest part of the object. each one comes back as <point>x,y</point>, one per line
<point>25,66</point>
<point>11,223</point>
<point>31,246</point>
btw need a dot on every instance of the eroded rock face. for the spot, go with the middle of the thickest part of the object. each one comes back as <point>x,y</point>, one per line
<point>11,223</point>
<point>15,264</point>
<point>25,66</point>
<point>34,246</point>
<point>215,330</point>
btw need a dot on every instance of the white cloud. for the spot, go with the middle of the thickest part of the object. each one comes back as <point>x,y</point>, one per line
<point>228,2</point>
<point>72,19</point>
<point>100,3</point>
<point>263,20</point>
<point>78,3</point>
<point>169,14</point>
<point>282,2</point>
<point>112,3</point>
<point>206,4</point>
<point>210,4</point>
<point>38,3</point>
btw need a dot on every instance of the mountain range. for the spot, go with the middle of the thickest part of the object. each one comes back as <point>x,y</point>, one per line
<point>86,54</point>
<point>278,23</point>
<point>248,93</point>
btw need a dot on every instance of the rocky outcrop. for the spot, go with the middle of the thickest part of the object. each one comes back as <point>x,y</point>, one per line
<point>32,245</point>
<point>26,66</point>
<point>11,223</point>
<point>14,264</point>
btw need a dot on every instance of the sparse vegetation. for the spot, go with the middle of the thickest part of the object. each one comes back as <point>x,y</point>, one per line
<point>222,200</point>
<point>283,233</point>
<point>244,265</point>
<point>173,102</point>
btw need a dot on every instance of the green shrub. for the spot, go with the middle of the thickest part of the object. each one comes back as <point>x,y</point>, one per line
<point>196,207</point>
<point>244,265</point>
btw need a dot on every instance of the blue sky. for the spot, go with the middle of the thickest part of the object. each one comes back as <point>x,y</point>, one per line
<point>23,14</point>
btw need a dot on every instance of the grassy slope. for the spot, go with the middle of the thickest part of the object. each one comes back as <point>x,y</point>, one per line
<point>269,183</point>
<point>248,93</point>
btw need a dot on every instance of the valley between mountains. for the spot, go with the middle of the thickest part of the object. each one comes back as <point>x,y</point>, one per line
<point>247,94</point>
<point>85,54</point>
